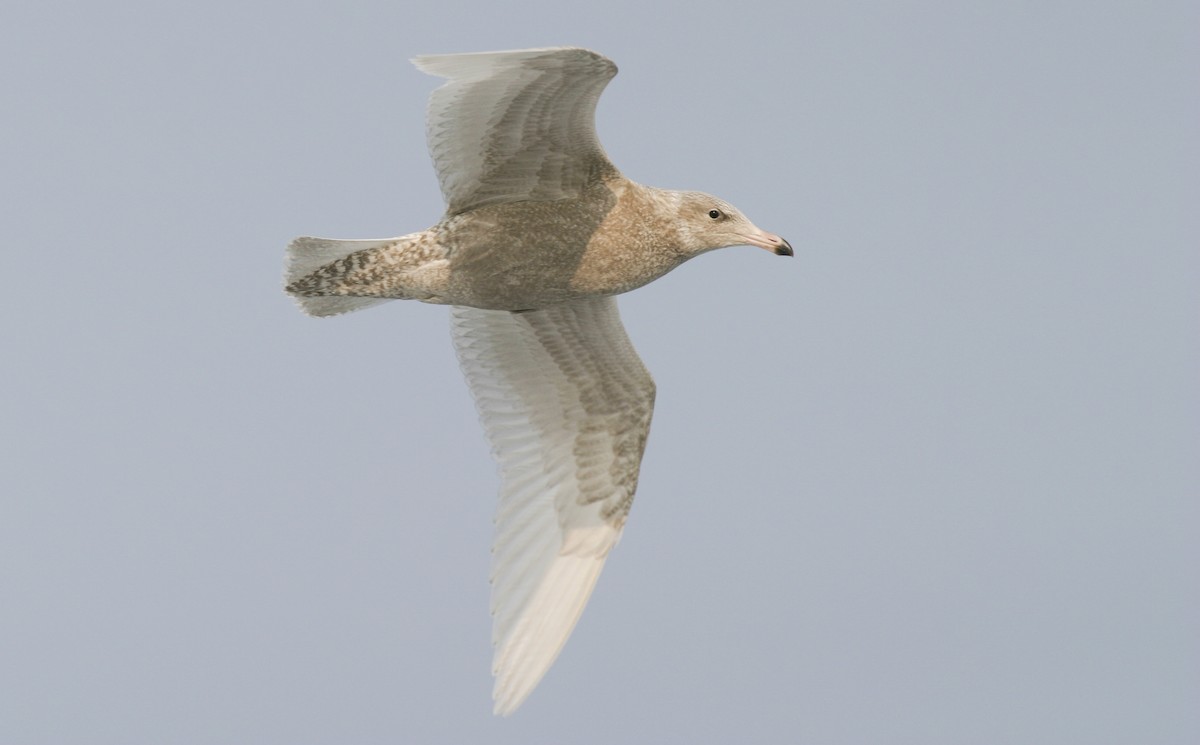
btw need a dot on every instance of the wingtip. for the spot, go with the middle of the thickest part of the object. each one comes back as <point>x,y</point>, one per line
<point>421,61</point>
<point>526,653</point>
<point>468,63</point>
<point>506,706</point>
<point>511,690</point>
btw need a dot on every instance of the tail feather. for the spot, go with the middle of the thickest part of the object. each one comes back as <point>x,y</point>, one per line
<point>306,255</point>
<point>333,305</point>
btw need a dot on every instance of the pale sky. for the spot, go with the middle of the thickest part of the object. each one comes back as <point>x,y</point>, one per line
<point>935,480</point>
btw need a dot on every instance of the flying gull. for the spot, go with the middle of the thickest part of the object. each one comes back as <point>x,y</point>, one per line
<point>540,233</point>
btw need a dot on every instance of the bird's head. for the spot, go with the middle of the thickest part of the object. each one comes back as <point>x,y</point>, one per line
<point>706,223</point>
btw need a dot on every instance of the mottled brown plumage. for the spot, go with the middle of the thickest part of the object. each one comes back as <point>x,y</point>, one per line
<point>537,221</point>
<point>615,236</point>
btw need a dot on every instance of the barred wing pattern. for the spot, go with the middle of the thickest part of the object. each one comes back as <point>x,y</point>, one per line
<point>566,404</point>
<point>516,126</point>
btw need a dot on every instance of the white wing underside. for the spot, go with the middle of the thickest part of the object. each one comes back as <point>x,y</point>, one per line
<point>515,126</point>
<point>566,404</point>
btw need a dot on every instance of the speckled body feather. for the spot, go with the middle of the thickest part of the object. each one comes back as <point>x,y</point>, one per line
<point>608,240</point>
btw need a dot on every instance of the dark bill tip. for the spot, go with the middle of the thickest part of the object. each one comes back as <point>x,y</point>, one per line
<point>784,248</point>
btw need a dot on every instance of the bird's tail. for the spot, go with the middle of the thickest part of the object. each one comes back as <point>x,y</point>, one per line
<point>306,255</point>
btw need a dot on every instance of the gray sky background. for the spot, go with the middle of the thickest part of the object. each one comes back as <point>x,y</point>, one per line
<point>933,481</point>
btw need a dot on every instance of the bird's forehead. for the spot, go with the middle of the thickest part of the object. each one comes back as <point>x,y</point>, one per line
<point>708,200</point>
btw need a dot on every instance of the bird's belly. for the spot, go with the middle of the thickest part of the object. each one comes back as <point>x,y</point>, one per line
<point>516,257</point>
<point>523,277</point>
<point>534,254</point>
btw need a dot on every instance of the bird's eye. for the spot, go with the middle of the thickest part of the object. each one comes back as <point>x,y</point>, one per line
<point>715,214</point>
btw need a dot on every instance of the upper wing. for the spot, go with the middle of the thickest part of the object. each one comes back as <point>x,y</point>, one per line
<point>566,404</point>
<point>516,126</point>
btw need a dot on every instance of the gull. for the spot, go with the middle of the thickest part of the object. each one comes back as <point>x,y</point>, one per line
<point>540,232</point>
